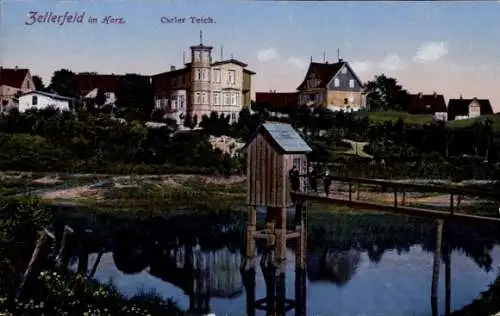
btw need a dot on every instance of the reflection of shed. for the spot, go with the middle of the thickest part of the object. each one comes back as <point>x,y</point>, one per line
<point>272,151</point>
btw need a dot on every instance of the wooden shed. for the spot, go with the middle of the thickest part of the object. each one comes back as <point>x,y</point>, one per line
<point>271,152</point>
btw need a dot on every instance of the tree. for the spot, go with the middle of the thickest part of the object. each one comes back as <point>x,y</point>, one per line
<point>384,93</point>
<point>63,83</point>
<point>100,98</point>
<point>39,86</point>
<point>135,97</point>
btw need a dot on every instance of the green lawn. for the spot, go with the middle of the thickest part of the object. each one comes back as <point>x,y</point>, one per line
<point>466,123</point>
<point>393,116</point>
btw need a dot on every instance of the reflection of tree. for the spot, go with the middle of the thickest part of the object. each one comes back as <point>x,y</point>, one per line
<point>334,266</point>
<point>376,234</point>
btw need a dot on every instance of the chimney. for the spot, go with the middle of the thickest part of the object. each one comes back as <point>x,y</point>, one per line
<point>461,97</point>
<point>435,94</point>
<point>16,67</point>
<point>172,68</point>
<point>420,95</point>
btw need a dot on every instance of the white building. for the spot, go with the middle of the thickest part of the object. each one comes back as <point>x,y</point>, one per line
<point>203,86</point>
<point>42,100</point>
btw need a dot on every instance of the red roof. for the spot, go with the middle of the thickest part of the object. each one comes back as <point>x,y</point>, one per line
<point>323,72</point>
<point>86,82</point>
<point>278,100</point>
<point>13,77</point>
<point>460,107</point>
<point>427,103</point>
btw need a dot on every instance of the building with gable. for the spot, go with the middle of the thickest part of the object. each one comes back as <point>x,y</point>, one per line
<point>334,86</point>
<point>13,83</point>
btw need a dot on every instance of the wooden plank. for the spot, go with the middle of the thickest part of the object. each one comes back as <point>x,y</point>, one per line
<point>405,210</point>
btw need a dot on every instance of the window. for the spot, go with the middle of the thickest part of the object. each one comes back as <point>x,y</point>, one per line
<point>34,100</point>
<point>227,98</point>
<point>174,104</point>
<point>198,74</point>
<point>174,81</point>
<point>216,98</point>
<point>231,74</point>
<point>205,75</point>
<point>351,83</point>
<point>205,98</point>
<point>336,82</point>
<point>181,102</point>
<point>346,101</point>
<point>237,99</point>
<point>233,98</point>
<point>196,56</point>
<point>198,98</point>
<point>233,117</point>
<point>344,70</point>
<point>216,76</point>
<point>205,57</point>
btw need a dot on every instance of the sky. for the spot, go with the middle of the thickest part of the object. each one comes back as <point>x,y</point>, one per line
<point>452,48</point>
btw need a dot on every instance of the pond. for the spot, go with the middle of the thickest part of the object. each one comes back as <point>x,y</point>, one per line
<point>356,264</point>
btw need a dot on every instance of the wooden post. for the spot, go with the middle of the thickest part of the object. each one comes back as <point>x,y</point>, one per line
<point>447,276</point>
<point>270,218</point>
<point>435,268</point>
<point>62,259</point>
<point>83,257</point>
<point>395,196</point>
<point>458,201</point>
<point>251,227</point>
<point>451,204</point>
<point>36,263</point>
<point>96,263</point>
<point>280,246</point>
<point>300,292</point>
<point>350,190</point>
<point>403,198</point>
<point>249,283</point>
<point>358,190</point>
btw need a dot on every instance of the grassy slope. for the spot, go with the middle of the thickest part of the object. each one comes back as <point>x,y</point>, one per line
<point>466,123</point>
<point>393,116</point>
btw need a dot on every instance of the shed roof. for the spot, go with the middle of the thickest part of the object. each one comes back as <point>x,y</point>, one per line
<point>284,136</point>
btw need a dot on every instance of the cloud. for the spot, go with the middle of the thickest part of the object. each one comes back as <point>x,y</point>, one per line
<point>267,55</point>
<point>297,62</point>
<point>430,52</point>
<point>392,62</point>
<point>361,66</point>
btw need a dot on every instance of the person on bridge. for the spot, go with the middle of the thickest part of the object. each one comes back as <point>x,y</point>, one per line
<point>313,179</point>
<point>327,181</point>
<point>294,178</point>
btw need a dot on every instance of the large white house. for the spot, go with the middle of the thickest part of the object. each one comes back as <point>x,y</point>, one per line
<point>42,100</point>
<point>203,86</point>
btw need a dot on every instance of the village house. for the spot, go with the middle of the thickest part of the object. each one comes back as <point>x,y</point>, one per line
<point>459,109</point>
<point>433,104</point>
<point>283,102</point>
<point>203,86</point>
<point>13,83</point>
<point>332,85</point>
<point>41,100</point>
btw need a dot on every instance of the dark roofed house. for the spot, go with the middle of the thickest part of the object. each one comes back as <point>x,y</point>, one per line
<point>87,81</point>
<point>14,82</point>
<point>335,86</point>
<point>278,101</point>
<point>433,104</point>
<point>468,108</point>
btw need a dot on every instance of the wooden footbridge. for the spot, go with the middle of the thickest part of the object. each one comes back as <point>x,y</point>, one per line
<point>278,178</point>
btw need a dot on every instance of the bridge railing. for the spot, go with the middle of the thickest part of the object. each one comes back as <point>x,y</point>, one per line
<point>398,193</point>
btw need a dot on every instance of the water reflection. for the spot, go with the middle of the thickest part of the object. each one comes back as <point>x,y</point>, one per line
<point>202,257</point>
